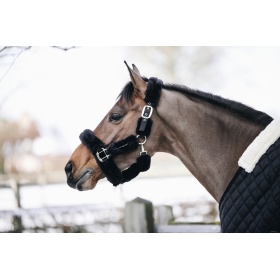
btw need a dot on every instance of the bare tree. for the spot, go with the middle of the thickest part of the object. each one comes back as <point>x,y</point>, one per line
<point>12,133</point>
<point>9,55</point>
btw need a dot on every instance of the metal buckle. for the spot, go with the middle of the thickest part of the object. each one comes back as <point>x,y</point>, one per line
<point>102,154</point>
<point>143,152</point>
<point>147,112</point>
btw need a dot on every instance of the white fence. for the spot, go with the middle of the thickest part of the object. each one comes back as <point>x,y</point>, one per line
<point>92,215</point>
<point>140,217</point>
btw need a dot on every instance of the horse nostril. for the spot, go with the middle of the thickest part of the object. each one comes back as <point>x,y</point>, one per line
<point>68,169</point>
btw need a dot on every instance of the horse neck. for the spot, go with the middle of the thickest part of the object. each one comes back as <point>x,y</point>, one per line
<point>208,140</point>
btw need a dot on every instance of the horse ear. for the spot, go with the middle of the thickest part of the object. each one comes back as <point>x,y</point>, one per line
<point>135,69</point>
<point>139,84</point>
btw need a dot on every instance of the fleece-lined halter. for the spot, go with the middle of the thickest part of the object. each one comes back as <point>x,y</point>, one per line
<point>104,156</point>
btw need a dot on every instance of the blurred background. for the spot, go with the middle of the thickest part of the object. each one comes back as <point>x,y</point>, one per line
<point>49,95</point>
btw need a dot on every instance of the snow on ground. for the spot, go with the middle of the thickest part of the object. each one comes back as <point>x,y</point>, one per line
<point>162,190</point>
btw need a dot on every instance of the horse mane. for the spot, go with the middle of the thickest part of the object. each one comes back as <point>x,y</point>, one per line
<point>127,93</point>
<point>234,107</point>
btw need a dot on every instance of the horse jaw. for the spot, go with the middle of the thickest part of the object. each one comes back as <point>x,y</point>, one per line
<point>89,180</point>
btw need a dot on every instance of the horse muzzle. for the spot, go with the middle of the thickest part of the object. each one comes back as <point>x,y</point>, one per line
<point>81,182</point>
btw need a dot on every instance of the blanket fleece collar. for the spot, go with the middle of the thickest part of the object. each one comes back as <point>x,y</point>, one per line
<point>259,146</point>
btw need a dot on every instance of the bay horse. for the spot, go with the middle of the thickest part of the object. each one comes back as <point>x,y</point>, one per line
<point>212,137</point>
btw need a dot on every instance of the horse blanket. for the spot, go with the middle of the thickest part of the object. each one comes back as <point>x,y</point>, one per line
<point>251,202</point>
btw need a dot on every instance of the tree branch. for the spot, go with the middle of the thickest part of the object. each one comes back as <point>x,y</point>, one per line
<point>1,50</point>
<point>8,51</point>
<point>23,49</point>
<point>8,48</point>
<point>64,48</point>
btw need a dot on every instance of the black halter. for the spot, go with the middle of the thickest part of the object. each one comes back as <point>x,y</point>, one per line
<point>104,155</point>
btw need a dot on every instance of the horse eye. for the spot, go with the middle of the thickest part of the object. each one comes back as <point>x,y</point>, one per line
<point>115,118</point>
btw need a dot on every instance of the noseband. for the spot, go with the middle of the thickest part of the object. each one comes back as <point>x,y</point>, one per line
<point>104,156</point>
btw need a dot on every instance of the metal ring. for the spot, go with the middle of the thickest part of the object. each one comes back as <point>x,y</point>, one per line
<point>145,139</point>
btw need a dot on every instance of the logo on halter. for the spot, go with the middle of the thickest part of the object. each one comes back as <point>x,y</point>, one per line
<point>147,112</point>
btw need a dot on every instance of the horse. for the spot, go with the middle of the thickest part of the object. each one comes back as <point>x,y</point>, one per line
<point>220,141</point>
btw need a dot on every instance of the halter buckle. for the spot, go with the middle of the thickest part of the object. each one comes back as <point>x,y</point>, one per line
<point>147,112</point>
<point>102,155</point>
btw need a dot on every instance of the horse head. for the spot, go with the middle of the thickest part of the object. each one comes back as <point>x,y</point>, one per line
<point>115,135</point>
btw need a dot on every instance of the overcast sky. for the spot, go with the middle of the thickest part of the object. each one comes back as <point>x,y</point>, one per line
<point>66,92</point>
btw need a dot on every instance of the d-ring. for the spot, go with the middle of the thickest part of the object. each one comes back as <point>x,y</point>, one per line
<point>145,139</point>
